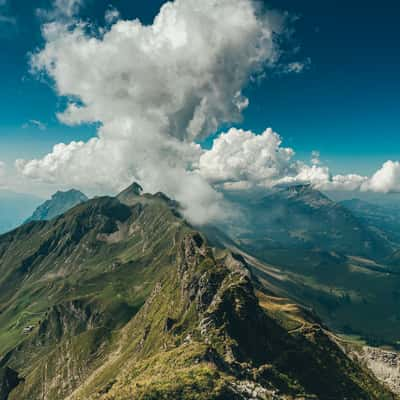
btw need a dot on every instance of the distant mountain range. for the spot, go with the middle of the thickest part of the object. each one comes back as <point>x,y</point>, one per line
<point>300,217</point>
<point>383,219</point>
<point>59,203</point>
<point>121,298</point>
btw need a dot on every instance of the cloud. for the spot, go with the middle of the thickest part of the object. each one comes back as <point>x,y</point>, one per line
<point>315,157</point>
<point>243,160</point>
<point>6,19</point>
<point>61,10</point>
<point>35,123</point>
<point>385,180</point>
<point>296,67</point>
<point>240,158</point>
<point>112,15</point>
<point>155,90</point>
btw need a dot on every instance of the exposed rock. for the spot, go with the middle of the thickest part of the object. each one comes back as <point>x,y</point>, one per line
<point>384,364</point>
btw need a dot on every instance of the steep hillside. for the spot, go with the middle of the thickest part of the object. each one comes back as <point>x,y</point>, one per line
<point>59,203</point>
<point>123,299</point>
<point>318,253</point>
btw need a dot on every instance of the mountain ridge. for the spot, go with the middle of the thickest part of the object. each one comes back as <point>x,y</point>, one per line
<point>110,301</point>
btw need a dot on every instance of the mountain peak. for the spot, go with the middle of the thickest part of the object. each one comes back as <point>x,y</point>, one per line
<point>69,194</point>
<point>59,203</point>
<point>300,188</point>
<point>304,192</point>
<point>130,194</point>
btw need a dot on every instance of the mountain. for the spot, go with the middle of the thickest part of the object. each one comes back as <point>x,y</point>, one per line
<point>304,246</point>
<point>384,219</point>
<point>300,217</point>
<point>121,298</point>
<point>59,203</point>
<point>15,208</point>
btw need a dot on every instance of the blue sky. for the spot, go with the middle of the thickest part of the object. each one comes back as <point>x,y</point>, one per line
<point>345,104</point>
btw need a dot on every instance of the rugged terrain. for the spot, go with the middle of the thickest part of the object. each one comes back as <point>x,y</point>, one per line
<point>121,298</point>
<point>385,365</point>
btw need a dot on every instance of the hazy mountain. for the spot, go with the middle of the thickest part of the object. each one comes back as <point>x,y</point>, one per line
<point>123,299</point>
<point>301,217</point>
<point>15,208</point>
<point>384,219</point>
<point>59,203</point>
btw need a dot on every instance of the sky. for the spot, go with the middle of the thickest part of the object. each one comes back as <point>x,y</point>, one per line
<point>334,90</point>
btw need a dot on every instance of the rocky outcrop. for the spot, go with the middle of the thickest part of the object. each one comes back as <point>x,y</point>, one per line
<point>384,364</point>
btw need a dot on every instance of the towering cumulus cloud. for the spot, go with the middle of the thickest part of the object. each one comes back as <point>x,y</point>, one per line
<point>154,90</point>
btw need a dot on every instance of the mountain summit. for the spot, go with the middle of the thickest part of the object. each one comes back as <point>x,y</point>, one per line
<point>59,203</point>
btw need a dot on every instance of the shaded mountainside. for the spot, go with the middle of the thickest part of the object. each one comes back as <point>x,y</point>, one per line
<point>300,217</point>
<point>353,295</point>
<point>384,219</point>
<point>59,203</point>
<point>318,253</point>
<point>121,299</point>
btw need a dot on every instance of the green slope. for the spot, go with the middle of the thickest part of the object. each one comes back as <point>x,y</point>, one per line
<point>121,298</point>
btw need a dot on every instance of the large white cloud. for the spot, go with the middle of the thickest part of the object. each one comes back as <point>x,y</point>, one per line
<point>385,180</point>
<point>158,88</point>
<point>241,160</point>
<point>154,89</point>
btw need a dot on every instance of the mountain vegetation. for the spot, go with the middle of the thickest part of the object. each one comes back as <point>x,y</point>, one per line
<point>121,298</point>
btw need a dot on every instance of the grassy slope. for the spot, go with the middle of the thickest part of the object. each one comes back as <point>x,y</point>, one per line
<point>127,300</point>
<point>352,295</point>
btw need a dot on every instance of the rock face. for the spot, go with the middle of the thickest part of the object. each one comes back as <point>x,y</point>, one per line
<point>384,364</point>
<point>126,300</point>
<point>59,203</point>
